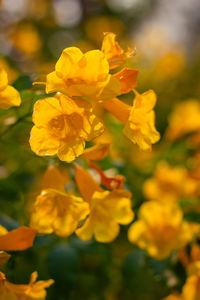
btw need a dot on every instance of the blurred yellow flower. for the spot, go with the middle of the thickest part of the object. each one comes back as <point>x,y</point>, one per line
<point>62,126</point>
<point>9,96</point>
<point>174,296</point>
<point>191,289</point>
<point>33,290</point>
<point>167,183</point>
<point>26,39</point>
<point>113,52</point>
<point>184,119</point>
<point>170,65</point>
<point>160,229</point>
<point>96,25</point>
<point>57,211</point>
<point>86,75</point>
<point>108,209</point>
<point>139,120</point>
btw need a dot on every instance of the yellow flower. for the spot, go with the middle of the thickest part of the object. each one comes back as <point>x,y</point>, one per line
<point>26,39</point>
<point>9,96</point>
<point>62,126</point>
<point>113,52</point>
<point>161,229</point>
<point>170,65</point>
<point>86,75</point>
<point>16,239</point>
<point>191,289</point>
<point>167,183</point>
<point>139,120</point>
<point>184,119</point>
<point>31,291</point>
<point>174,296</point>
<point>108,209</point>
<point>57,211</point>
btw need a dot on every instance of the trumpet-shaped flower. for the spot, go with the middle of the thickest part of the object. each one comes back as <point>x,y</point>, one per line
<point>189,111</point>
<point>86,75</point>
<point>167,184</point>
<point>160,229</point>
<point>62,126</point>
<point>113,52</point>
<point>9,96</point>
<point>108,209</point>
<point>139,120</point>
<point>57,211</point>
<point>32,291</point>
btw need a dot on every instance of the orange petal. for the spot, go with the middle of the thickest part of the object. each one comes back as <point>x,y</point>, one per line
<point>54,179</point>
<point>17,239</point>
<point>86,184</point>
<point>118,108</point>
<point>97,152</point>
<point>109,182</point>
<point>127,78</point>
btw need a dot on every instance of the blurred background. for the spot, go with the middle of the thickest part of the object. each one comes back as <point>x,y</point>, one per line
<point>33,34</point>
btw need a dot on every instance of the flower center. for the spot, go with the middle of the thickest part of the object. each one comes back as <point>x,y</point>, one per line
<point>66,127</point>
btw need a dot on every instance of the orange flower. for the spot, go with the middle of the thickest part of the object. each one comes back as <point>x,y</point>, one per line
<point>9,96</point>
<point>139,120</point>
<point>113,52</point>
<point>16,239</point>
<point>33,290</point>
<point>108,209</point>
<point>62,126</point>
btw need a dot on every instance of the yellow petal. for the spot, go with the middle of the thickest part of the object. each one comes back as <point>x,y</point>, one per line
<point>3,79</point>
<point>96,67</point>
<point>85,232</point>
<point>41,143</point>
<point>44,211</point>
<point>54,83</point>
<point>9,97</point>
<point>69,151</point>
<point>106,232</point>
<point>111,89</point>
<point>69,57</point>
<point>66,225</point>
<point>41,107</point>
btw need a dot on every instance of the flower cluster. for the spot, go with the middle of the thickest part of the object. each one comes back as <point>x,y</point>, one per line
<point>83,83</point>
